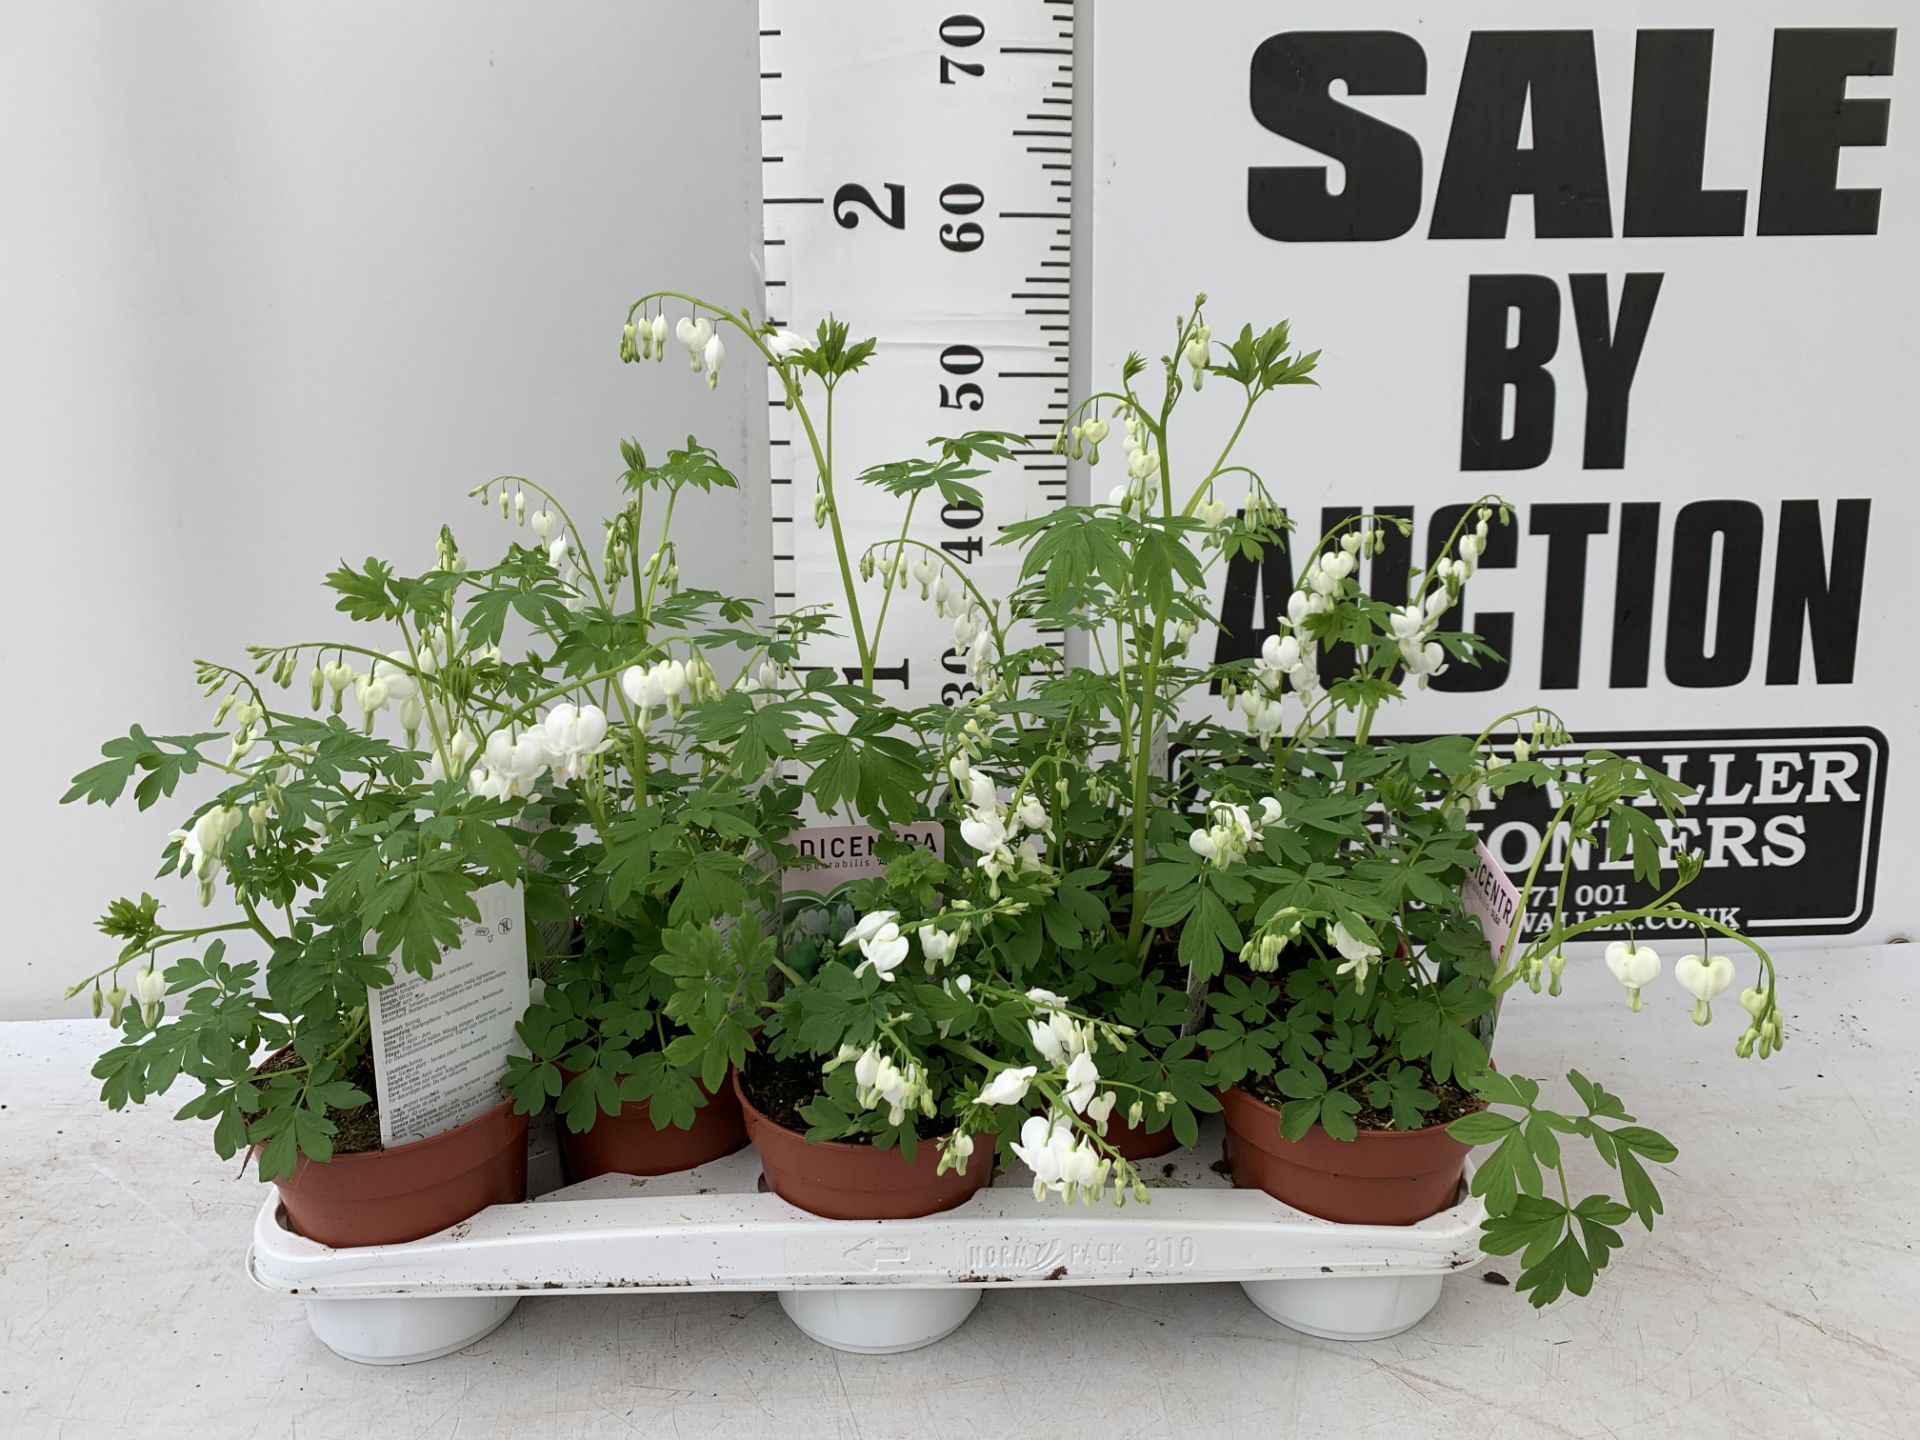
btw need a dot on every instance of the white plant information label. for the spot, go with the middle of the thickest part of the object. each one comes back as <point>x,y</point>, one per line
<point>1491,898</point>
<point>440,1046</point>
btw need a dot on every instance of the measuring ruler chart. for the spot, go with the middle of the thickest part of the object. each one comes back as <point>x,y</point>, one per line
<point>917,182</point>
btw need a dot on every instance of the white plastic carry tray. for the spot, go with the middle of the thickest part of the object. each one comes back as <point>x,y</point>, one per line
<point>876,1286</point>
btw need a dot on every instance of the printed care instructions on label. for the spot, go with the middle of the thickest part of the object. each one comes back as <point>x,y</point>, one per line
<point>440,1046</point>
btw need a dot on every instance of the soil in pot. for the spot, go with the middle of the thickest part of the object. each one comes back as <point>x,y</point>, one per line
<point>842,1180</point>
<point>1382,1177</point>
<point>367,1195</point>
<point>626,1143</point>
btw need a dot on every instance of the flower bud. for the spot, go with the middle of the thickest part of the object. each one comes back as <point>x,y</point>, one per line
<point>1556,966</point>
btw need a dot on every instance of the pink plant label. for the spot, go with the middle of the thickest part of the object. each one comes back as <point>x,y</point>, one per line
<point>1490,897</point>
<point>849,852</point>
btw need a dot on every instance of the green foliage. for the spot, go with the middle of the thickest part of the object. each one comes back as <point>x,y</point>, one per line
<point>1562,1245</point>
<point>163,759</point>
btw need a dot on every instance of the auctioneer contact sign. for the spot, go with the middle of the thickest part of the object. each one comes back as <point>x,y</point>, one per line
<point>1646,270</point>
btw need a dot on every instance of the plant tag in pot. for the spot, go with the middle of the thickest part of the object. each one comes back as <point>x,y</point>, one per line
<point>440,1046</point>
<point>811,923</point>
<point>1490,897</point>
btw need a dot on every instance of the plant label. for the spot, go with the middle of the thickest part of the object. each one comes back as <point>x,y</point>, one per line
<point>440,1045</point>
<point>841,853</point>
<point>1490,897</point>
<point>811,922</point>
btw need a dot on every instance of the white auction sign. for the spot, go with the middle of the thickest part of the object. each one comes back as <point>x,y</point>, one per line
<point>917,182</point>
<point>1648,271</point>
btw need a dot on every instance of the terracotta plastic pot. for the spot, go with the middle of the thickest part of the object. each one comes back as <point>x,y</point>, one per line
<point>858,1182</point>
<point>1135,1143</point>
<point>387,1197</point>
<point>627,1143</point>
<point>1383,1177</point>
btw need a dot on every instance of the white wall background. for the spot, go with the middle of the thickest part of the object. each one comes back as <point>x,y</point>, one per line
<point>277,285</point>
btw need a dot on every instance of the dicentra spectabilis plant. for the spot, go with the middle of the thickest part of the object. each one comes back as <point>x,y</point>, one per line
<point>1116,933</point>
<point>525,722</point>
<point>920,1014</point>
<point>1303,848</point>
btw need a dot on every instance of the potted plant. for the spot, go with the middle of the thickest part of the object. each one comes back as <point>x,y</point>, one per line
<point>1276,909</point>
<point>346,855</point>
<point>1357,1078</point>
<point>348,847</point>
<point>860,1066</point>
<point>659,843</point>
<point>1304,841</point>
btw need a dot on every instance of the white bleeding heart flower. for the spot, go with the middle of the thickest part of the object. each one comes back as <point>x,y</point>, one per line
<point>866,1069</point>
<point>1072,1035</point>
<point>1083,1078</point>
<point>396,673</point>
<point>1263,716</point>
<point>542,522</point>
<point>1753,1001</point>
<point>784,343</point>
<point>1423,661</point>
<point>981,794</point>
<point>1047,1041</point>
<point>937,946</point>
<point>149,990</point>
<point>883,950</point>
<point>985,833</point>
<point>1269,810</point>
<point>713,352</point>
<point>1196,354</point>
<point>641,686</point>
<point>571,734</point>
<point>1704,980</point>
<point>1100,1107</point>
<point>1211,512</point>
<point>1410,622</point>
<point>1060,1161</point>
<point>1009,1087</point>
<point>694,333</point>
<point>869,925</point>
<point>968,628</point>
<point>1359,953</point>
<point>1634,966</point>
